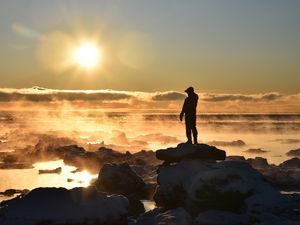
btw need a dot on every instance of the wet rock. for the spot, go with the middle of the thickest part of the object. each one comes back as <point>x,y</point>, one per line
<point>62,206</point>
<point>189,151</point>
<point>57,170</point>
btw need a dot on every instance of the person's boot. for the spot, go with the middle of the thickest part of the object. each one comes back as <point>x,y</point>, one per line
<point>189,142</point>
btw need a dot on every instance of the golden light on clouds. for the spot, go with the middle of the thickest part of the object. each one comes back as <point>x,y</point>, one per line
<point>87,55</point>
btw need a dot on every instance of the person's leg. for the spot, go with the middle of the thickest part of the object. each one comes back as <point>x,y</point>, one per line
<point>188,131</point>
<point>195,135</point>
<point>194,129</point>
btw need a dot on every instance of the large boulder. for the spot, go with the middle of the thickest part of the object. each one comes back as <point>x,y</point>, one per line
<point>120,179</point>
<point>62,206</point>
<point>190,151</point>
<point>230,185</point>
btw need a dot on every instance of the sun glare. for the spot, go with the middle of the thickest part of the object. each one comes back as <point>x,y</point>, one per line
<point>87,55</point>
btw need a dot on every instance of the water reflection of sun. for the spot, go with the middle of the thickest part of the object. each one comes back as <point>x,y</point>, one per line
<point>85,178</point>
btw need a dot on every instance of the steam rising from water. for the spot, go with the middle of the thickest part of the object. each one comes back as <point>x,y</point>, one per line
<point>137,131</point>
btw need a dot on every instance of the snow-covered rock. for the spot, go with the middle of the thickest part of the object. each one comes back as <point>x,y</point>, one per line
<point>216,217</point>
<point>230,185</point>
<point>62,206</point>
<point>190,151</point>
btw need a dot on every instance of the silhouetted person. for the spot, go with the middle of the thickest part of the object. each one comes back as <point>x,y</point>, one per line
<point>189,109</point>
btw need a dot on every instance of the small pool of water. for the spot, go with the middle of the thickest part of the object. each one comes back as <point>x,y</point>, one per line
<point>30,178</point>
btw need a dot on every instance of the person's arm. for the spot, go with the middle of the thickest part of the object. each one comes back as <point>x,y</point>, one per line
<point>183,110</point>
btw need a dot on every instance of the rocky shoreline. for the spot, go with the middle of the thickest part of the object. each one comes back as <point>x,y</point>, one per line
<point>189,184</point>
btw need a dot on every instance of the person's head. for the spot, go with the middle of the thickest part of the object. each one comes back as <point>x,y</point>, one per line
<point>189,90</point>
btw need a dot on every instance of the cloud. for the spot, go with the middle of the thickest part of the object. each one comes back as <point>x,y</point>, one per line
<point>294,153</point>
<point>38,94</point>
<point>134,100</point>
<point>168,96</point>
<point>256,151</point>
<point>242,97</point>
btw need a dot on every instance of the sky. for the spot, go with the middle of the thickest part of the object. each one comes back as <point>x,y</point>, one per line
<point>226,47</point>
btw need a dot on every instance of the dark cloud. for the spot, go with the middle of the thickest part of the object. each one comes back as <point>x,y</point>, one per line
<point>37,94</point>
<point>168,96</point>
<point>226,97</point>
<point>294,153</point>
<point>242,97</point>
<point>256,151</point>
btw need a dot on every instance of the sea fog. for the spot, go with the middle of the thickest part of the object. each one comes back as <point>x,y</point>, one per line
<point>270,136</point>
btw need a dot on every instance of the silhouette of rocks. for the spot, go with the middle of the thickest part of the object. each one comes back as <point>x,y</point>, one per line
<point>57,170</point>
<point>12,192</point>
<point>62,206</point>
<point>258,162</point>
<point>120,179</point>
<point>189,151</point>
<point>294,153</point>
<point>235,158</point>
<point>293,163</point>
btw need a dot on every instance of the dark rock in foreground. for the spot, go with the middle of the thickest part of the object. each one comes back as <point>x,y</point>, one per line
<point>119,179</point>
<point>62,206</point>
<point>190,151</point>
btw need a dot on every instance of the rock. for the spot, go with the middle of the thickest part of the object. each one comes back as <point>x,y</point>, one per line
<point>237,143</point>
<point>120,179</point>
<point>293,163</point>
<point>62,206</point>
<point>159,216</point>
<point>215,217</point>
<point>258,162</point>
<point>69,150</point>
<point>57,170</point>
<point>235,158</point>
<point>136,207</point>
<point>294,153</point>
<point>189,151</point>
<point>12,192</point>
<point>230,185</point>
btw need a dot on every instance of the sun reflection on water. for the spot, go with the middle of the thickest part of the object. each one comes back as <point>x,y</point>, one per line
<point>30,178</point>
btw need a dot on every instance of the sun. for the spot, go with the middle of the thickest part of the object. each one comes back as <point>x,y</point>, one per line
<point>87,55</point>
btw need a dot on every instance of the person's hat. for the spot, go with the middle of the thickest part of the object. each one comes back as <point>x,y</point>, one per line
<point>189,90</point>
